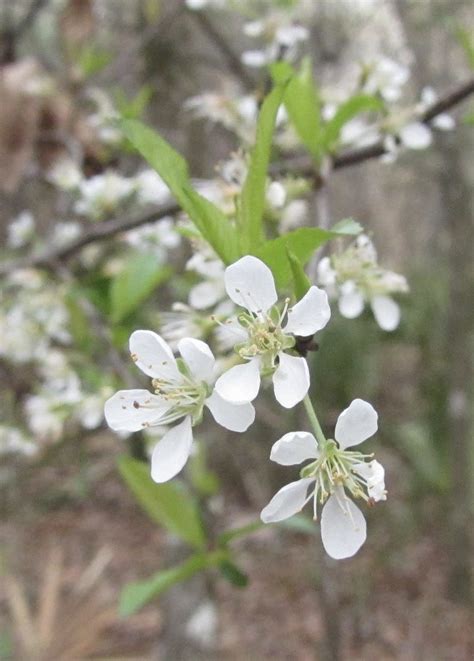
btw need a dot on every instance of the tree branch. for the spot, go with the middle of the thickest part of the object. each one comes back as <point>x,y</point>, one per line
<point>49,259</point>
<point>300,166</point>
<point>233,61</point>
<point>355,156</point>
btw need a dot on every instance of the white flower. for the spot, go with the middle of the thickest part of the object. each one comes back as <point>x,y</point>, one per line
<point>386,77</point>
<point>276,195</point>
<point>263,341</point>
<point>65,232</point>
<point>181,390</point>
<point>443,121</point>
<point>21,230</point>
<point>103,194</point>
<point>333,470</point>
<point>158,237</point>
<point>415,135</point>
<point>14,441</point>
<point>65,174</point>
<point>151,189</point>
<point>354,278</point>
<point>211,291</point>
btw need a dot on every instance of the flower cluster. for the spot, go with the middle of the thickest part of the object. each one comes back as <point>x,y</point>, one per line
<point>355,278</point>
<point>264,337</point>
<point>334,470</point>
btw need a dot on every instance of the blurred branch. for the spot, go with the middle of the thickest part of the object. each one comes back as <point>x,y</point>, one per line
<point>300,166</point>
<point>99,232</point>
<point>232,59</point>
<point>30,16</point>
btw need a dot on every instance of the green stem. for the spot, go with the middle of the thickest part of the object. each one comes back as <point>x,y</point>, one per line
<point>313,418</point>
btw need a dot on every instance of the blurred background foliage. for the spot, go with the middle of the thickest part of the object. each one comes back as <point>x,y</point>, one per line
<point>73,535</point>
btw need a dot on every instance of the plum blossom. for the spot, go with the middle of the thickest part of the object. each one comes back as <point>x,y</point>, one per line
<point>181,389</point>
<point>281,35</point>
<point>355,278</point>
<point>443,121</point>
<point>263,339</point>
<point>334,470</point>
<point>386,77</point>
<point>21,230</point>
<point>103,194</point>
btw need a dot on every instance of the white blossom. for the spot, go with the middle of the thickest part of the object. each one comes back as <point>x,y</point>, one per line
<point>65,174</point>
<point>263,337</point>
<point>444,121</point>
<point>150,188</point>
<point>355,278</point>
<point>102,194</point>
<point>14,441</point>
<point>65,232</point>
<point>386,77</point>
<point>180,392</point>
<point>21,230</point>
<point>334,472</point>
<point>157,238</point>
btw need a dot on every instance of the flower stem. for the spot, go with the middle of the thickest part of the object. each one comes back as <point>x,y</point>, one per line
<point>313,418</point>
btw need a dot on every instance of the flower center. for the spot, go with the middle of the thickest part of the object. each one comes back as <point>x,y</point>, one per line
<point>185,397</point>
<point>346,468</point>
<point>265,337</point>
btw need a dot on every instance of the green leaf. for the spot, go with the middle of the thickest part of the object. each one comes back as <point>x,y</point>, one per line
<point>169,504</point>
<point>233,574</point>
<point>299,523</point>
<point>300,279</point>
<point>139,278</point>
<point>229,535</point>
<point>465,38</point>
<point>92,59</point>
<point>137,594</point>
<point>347,111</point>
<point>79,324</point>
<point>205,482</point>
<point>135,107</point>
<point>252,199</point>
<point>214,226</point>
<point>302,103</point>
<point>301,243</point>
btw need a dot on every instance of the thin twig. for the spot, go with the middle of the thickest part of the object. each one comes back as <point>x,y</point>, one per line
<point>361,154</point>
<point>30,16</point>
<point>299,166</point>
<point>232,59</point>
<point>99,232</point>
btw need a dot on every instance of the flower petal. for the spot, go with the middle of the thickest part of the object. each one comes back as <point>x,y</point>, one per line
<point>287,502</point>
<point>153,355</point>
<point>241,383</point>
<point>249,283</point>
<point>236,417</point>
<point>351,302</point>
<point>132,410</point>
<point>205,294</point>
<point>198,357</point>
<point>290,380</point>
<point>386,312</point>
<point>357,423</point>
<point>294,448</point>
<point>343,526</point>
<point>444,122</point>
<point>310,314</point>
<point>374,474</point>
<point>416,136</point>
<point>171,453</point>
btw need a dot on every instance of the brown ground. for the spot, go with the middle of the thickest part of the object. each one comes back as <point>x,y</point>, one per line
<point>391,601</point>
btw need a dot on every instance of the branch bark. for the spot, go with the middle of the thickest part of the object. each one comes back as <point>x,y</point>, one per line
<point>299,166</point>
